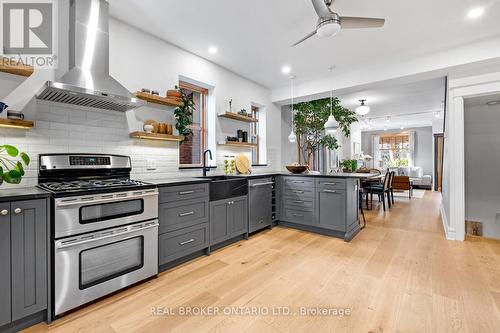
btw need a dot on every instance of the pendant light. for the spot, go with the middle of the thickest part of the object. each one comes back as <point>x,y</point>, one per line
<point>331,125</point>
<point>292,137</point>
<point>362,109</point>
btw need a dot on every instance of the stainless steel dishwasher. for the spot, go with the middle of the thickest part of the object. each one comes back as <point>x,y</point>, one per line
<point>260,192</point>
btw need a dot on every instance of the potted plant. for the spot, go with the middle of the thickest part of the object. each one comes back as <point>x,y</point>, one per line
<point>12,168</point>
<point>349,165</point>
<point>184,114</point>
<point>309,120</point>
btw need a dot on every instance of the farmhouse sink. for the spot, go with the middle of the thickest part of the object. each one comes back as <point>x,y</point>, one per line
<point>225,187</point>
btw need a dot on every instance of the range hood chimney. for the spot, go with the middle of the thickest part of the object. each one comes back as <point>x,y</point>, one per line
<point>88,82</point>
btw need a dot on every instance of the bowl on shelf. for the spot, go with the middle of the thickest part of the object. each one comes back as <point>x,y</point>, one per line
<point>296,168</point>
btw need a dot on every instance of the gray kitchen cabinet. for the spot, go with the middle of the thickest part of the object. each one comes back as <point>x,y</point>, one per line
<point>5,308</point>
<point>239,219</point>
<point>228,219</point>
<point>331,209</point>
<point>23,259</point>
<point>260,203</point>
<point>29,257</point>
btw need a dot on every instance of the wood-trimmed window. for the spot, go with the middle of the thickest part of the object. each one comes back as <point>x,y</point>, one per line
<point>191,150</point>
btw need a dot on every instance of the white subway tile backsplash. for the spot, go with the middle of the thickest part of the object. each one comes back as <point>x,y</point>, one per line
<point>63,128</point>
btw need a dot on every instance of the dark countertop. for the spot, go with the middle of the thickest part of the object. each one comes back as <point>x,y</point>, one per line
<point>22,193</point>
<point>176,181</point>
<point>285,173</point>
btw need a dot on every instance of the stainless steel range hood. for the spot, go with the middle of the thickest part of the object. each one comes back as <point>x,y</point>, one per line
<point>88,82</point>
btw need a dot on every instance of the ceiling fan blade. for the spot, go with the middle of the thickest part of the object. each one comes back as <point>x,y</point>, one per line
<point>306,37</point>
<point>360,22</point>
<point>321,8</point>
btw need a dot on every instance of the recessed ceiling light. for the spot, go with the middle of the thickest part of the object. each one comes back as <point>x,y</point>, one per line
<point>475,13</point>
<point>212,50</point>
<point>492,103</point>
<point>286,69</point>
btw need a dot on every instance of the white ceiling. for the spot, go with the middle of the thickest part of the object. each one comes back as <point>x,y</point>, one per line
<point>410,105</point>
<point>253,37</point>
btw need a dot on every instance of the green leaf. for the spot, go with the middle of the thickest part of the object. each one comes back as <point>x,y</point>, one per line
<point>19,167</point>
<point>1,172</point>
<point>25,158</point>
<point>12,177</point>
<point>11,150</point>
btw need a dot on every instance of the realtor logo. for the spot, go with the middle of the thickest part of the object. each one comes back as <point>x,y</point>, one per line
<point>27,28</point>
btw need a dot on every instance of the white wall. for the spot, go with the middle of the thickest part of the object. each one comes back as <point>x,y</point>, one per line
<point>139,60</point>
<point>482,162</point>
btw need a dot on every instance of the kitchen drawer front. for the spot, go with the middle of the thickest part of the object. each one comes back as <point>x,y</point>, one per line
<point>183,192</point>
<point>298,193</point>
<point>298,182</point>
<point>298,216</point>
<point>181,214</point>
<point>295,203</point>
<point>177,244</point>
<point>257,182</point>
<point>334,184</point>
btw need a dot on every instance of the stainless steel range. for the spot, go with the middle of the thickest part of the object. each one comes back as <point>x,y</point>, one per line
<point>105,226</point>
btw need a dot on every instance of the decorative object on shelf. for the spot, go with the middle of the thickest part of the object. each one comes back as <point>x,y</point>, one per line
<point>231,139</point>
<point>162,128</point>
<point>309,120</point>
<point>242,164</point>
<point>296,168</point>
<point>245,136</point>
<point>15,115</point>
<point>184,114</point>
<point>146,90</point>
<point>148,128</point>
<point>362,109</point>
<point>153,123</point>
<point>3,106</point>
<point>170,129</point>
<point>239,134</point>
<point>243,112</point>
<point>155,92</point>
<point>292,137</point>
<point>230,105</point>
<point>174,94</point>
<point>12,169</point>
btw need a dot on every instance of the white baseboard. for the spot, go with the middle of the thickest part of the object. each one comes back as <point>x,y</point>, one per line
<point>448,231</point>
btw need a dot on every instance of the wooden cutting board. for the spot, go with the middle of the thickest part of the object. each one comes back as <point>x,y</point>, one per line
<point>242,163</point>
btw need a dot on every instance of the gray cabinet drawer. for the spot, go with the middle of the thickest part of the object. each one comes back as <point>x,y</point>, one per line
<point>183,192</point>
<point>298,216</point>
<point>298,182</point>
<point>298,193</point>
<point>177,244</point>
<point>295,203</point>
<point>332,183</point>
<point>181,214</point>
<point>332,209</point>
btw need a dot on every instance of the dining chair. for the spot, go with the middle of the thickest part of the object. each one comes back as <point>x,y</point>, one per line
<point>382,190</point>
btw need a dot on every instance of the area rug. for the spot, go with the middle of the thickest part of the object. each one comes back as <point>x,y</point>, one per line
<point>417,194</point>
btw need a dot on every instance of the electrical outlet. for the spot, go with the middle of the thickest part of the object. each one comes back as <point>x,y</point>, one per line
<point>151,165</point>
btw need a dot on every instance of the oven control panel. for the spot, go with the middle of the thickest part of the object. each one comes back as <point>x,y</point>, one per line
<point>89,160</point>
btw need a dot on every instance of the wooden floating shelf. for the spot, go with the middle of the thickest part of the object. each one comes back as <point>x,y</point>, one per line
<point>158,99</point>
<point>239,117</point>
<point>14,67</point>
<point>12,123</point>
<point>156,136</point>
<point>239,144</point>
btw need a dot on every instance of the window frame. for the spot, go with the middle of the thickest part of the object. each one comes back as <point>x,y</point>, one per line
<point>204,93</point>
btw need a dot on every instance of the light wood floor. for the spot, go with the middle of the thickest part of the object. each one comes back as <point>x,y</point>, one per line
<point>397,275</point>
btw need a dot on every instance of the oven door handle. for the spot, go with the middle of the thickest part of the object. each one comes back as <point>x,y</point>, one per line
<point>63,245</point>
<point>98,201</point>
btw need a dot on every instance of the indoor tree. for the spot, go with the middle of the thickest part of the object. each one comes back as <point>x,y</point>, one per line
<point>309,120</point>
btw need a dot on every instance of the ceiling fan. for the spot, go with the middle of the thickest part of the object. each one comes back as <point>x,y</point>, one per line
<point>330,23</point>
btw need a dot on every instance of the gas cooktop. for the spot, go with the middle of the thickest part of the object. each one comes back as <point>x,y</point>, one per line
<point>91,184</point>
